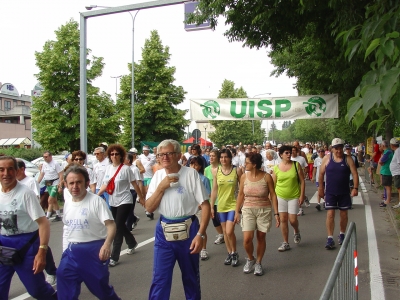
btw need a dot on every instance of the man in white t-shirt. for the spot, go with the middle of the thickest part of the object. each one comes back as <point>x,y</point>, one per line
<point>99,170</point>
<point>148,160</point>
<point>30,182</point>
<point>395,166</point>
<point>52,174</point>
<point>22,222</point>
<point>90,230</point>
<point>176,192</point>
<point>79,157</point>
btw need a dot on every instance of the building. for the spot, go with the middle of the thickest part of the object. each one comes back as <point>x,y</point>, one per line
<point>15,116</point>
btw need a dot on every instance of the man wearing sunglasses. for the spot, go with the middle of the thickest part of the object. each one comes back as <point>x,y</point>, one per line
<point>337,166</point>
<point>79,158</point>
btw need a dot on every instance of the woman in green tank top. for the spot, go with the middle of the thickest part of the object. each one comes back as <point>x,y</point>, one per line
<point>224,187</point>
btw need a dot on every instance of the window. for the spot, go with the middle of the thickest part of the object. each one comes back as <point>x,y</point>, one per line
<point>7,105</point>
<point>15,103</point>
<point>1,103</point>
<point>7,121</point>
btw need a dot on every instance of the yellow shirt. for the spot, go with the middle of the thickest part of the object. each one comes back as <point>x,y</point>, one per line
<point>226,190</point>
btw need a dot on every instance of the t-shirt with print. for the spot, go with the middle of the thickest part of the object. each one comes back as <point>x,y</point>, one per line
<point>121,194</point>
<point>183,200</point>
<point>32,184</point>
<point>19,208</point>
<point>84,220</point>
<point>51,171</point>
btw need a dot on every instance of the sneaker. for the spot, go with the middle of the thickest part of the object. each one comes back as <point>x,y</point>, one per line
<point>383,204</point>
<point>340,238</point>
<point>204,254</point>
<point>132,250</point>
<point>57,219</point>
<point>112,263</point>
<point>258,270</point>
<point>150,215</point>
<point>396,206</point>
<point>249,265</point>
<point>323,204</point>
<point>228,260</point>
<point>330,244</point>
<point>307,202</point>
<point>235,259</point>
<point>301,212</point>
<point>51,279</point>
<point>220,239</point>
<point>297,238</point>
<point>135,224</point>
<point>285,246</point>
<point>318,207</point>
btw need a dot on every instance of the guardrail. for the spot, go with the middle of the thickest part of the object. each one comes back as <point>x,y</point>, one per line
<point>343,280</point>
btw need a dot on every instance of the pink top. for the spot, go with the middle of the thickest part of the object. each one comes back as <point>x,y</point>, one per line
<point>256,193</point>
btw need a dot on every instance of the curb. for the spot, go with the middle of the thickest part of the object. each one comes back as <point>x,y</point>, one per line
<point>393,220</point>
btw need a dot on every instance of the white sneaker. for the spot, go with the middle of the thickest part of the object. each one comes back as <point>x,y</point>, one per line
<point>307,202</point>
<point>51,279</point>
<point>301,212</point>
<point>220,239</point>
<point>130,251</point>
<point>204,254</point>
<point>113,263</point>
<point>396,206</point>
<point>249,265</point>
<point>258,270</point>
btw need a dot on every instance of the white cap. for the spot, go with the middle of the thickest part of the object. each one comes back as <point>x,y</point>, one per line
<point>279,145</point>
<point>394,141</point>
<point>104,143</point>
<point>336,142</point>
<point>133,150</point>
<point>308,143</point>
<point>146,147</point>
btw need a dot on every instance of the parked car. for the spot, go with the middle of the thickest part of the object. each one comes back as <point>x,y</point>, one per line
<point>57,158</point>
<point>30,169</point>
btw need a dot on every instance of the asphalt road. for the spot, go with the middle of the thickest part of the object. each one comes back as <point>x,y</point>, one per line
<point>300,273</point>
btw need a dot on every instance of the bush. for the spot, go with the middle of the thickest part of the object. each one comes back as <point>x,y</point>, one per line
<point>28,154</point>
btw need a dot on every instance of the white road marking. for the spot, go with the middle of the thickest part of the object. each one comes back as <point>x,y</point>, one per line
<point>123,252</point>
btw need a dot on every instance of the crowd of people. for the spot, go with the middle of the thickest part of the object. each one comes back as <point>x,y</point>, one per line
<point>248,185</point>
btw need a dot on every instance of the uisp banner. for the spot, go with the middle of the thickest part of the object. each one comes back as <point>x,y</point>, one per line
<point>299,107</point>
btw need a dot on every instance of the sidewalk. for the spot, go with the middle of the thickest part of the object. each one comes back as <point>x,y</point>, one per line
<point>388,237</point>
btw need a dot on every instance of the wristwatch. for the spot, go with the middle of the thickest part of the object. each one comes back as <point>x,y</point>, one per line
<point>44,247</point>
<point>201,235</point>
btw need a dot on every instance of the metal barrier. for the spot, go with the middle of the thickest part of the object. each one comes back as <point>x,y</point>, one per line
<point>343,281</point>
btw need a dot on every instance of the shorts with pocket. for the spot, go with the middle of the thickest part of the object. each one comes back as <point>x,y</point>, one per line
<point>256,219</point>
<point>52,190</point>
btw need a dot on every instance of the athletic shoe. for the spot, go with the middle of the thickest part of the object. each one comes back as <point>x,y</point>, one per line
<point>57,219</point>
<point>285,246</point>
<point>307,202</point>
<point>228,259</point>
<point>220,239</point>
<point>112,263</point>
<point>51,279</point>
<point>301,212</point>
<point>258,270</point>
<point>382,204</point>
<point>249,265</point>
<point>330,244</point>
<point>235,259</point>
<point>297,238</point>
<point>204,254</point>
<point>318,207</point>
<point>135,224</point>
<point>323,204</point>
<point>396,206</point>
<point>132,250</point>
<point>340,238</point>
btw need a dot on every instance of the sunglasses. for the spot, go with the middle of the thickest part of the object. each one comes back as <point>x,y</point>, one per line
<point>287,152</point>
<point>114,154</point>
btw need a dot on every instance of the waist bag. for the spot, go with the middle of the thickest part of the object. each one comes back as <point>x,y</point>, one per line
<point>176,231</point>
<point>11,256</point>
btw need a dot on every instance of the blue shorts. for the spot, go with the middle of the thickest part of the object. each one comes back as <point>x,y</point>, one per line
<point>342,202</point>
<point>226,216</point>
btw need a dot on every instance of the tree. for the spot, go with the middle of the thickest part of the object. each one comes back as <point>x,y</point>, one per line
<point>233,132</point>
<point>156,117</point>
<point>56,113</point>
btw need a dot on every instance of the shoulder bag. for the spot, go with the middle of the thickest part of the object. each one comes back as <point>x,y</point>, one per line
<point>111,185</point>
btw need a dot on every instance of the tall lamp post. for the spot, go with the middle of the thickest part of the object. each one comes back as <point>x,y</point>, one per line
<point>90,7</point>
<point>252,121</point>
<point>116,86</point>
<point>205,135</point>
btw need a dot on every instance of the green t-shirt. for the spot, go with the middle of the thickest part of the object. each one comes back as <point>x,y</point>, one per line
<point>287,185</point>
<point>385,168</point>
<point>209,175</point>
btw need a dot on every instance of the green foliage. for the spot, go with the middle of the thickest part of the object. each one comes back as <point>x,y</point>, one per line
<point>28,154</point>
<point>56,113</point>
<point>377,39</point>
<point>233,132</point>
<point>156,117</point>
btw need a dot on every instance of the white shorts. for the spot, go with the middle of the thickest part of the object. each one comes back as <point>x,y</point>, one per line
<point>290,206</point>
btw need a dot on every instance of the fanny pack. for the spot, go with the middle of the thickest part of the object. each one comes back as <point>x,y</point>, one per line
<point>11,256</point>
<point>49,182</point>
<point>176,231</point>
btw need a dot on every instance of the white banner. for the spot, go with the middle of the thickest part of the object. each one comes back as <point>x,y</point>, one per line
<point>300,107</point>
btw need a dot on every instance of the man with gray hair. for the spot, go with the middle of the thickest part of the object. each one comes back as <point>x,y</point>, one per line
<point>177,192</point>
<point>395,166</point>
<point>99,170</point>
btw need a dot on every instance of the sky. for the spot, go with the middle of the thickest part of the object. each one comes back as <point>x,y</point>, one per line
<point>203,59</point>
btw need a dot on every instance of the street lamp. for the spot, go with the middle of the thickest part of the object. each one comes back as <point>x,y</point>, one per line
<point>116,86</point>
<point>90,7</point>
<point>252,121</point>
<point>205,135</point>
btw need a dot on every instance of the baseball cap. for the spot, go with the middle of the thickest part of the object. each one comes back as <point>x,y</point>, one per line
<point>133,150</point>
<point>347,146</point>
<point>146,148</point>
<point>337,142</point>
<point>104,143</point>
<point>394,141</point>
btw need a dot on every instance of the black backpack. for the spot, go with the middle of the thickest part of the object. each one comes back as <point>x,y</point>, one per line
<point>356,161</point>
